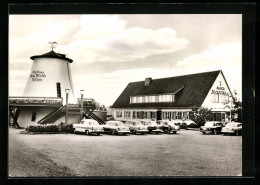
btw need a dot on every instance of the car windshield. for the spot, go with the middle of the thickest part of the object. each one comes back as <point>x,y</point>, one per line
<point>146,122</point>
<point>137,123</point>
<point>209,124</point>
<point>93,123</point>
<point>120,124</point>
<point>231,125</point>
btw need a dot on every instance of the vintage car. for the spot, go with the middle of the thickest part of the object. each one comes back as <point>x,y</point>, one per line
<point>169,126</point>
<point>136,126</point>
<point>116,127</point>
<point>213,127</point>
<point>187,124</point>
<point>88,126</point>
<point>152,126</point>
<point>232,128</point>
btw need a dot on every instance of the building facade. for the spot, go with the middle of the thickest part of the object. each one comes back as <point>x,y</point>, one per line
<point>174,97</point>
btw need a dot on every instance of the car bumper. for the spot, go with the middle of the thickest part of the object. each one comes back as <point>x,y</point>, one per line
<point>140,131</point>
<point>156,130</point>
<point>228,131</point>
<point>123,131</point>
<point>96,131</point>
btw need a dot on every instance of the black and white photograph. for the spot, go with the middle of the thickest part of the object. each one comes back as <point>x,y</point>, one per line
<point>125,95</point>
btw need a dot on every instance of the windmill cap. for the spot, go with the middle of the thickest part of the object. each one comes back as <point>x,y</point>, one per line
<point>52,54</point>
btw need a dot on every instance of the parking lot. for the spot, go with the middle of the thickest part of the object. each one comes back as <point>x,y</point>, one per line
<point>187,153</point>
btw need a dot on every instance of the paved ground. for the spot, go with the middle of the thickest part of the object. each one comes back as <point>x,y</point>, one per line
<point>188,153</point>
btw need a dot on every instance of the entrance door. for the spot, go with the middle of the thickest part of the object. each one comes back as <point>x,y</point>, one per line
<point>159,115</point>
<point>218,117</point>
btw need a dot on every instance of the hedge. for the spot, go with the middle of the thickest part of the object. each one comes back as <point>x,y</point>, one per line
<point>50,128</point>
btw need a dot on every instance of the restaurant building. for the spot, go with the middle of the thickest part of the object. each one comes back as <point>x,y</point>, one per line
<point>174,97</point>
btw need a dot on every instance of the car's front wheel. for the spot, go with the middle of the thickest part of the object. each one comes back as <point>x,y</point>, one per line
<point>87,132</point>
<point>203,132</point>
<point>113,132</point>
<point>215,132</point>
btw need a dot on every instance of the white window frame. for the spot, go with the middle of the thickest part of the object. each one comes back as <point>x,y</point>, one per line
<point>119,114</point>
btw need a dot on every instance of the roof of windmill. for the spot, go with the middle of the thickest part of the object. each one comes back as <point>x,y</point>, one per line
<point>52,54</point>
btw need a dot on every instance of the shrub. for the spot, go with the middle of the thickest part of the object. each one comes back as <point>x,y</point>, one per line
<point>42,128</point>
<point>67,128</point>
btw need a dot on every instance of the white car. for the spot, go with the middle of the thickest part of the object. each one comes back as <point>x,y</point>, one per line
<point>136,126</point>
<point>152,126</point>
<point>88,126</point>
<point>116,127</point>
<point>232,128</point>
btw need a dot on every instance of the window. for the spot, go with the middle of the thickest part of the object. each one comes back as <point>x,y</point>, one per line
<point>145,115</point>
<point>127,114</point>
<point>214,98</point>
<point>178,115</point>
<point>224,98</point>
<point>153,115</point>
<point>33,116</point>
<point>148,115</point>
<point>152,98</point>
<point>58,90</point>
<point>173,115</point>
<point>165,98</point>
<point>139,99</point>
<point>119,114</point>
<point>186,115</point>
<point>167,115</point>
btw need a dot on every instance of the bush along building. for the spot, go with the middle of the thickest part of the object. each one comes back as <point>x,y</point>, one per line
<point>174,97</point>
<point>49,94</point>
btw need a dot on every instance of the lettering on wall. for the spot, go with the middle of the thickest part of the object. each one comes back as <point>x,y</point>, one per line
<point>37,76</point>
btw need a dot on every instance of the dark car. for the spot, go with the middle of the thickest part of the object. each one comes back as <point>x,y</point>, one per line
<point>213,127</point>
<point>169,126</point>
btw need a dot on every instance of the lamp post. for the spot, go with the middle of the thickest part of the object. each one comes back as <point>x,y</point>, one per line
<point>81,104</point>
<point>230,106</point>
<point>67,97</point>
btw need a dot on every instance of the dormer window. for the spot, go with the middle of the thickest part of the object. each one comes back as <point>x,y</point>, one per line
<point>152,98</point>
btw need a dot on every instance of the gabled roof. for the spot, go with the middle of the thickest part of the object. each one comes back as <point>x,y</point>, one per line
<point>52,54</point>
<point>190,90</point>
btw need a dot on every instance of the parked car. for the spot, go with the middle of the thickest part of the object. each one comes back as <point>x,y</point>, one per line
<point>180,123</point>
<point>169,126</point>
<point>136,126</point>
<point>188,124</point>
<point>116,127</point>
<point>232,128</point>
<point>88,126</point>
<point>213,127</point>
<point>152,126</point>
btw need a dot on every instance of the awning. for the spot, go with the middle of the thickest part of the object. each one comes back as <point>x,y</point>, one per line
<point>221,110</point>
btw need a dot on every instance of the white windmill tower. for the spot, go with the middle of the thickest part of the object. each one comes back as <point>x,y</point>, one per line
<point>50,75</point>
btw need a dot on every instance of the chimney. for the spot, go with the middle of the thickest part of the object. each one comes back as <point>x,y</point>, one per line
<point>147,81</point>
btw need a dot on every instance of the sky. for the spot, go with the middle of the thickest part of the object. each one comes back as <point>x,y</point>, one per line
<point>110,51</point>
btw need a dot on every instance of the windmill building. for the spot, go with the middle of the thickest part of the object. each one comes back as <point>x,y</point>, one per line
<point>49,88</point>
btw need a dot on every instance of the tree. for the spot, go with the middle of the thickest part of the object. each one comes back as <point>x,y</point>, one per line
<point>236,108</point>
<point>200,115</point>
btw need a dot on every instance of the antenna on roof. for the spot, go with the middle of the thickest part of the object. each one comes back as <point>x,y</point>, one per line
<point>52,45</point>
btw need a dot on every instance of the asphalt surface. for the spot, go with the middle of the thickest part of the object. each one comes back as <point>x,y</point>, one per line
<point>187,153</point>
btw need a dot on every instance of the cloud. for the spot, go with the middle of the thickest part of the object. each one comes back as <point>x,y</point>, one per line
<point>104,38</point>
<point>225,57</point>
